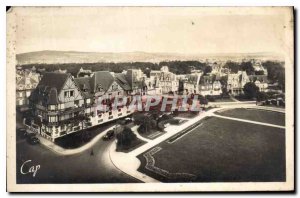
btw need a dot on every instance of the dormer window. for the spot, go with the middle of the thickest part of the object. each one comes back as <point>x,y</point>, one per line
<point>100,89</point>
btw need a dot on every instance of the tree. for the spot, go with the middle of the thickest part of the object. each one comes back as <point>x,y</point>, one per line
<point>250,90</point>
<point>126,137</point>
<point>260,72</point>
<point>262,96</point>
<point>207,70</point>
<point>276,72</point>
<point>233,66</point>
<point>248,67</point>
<point>147,123</point>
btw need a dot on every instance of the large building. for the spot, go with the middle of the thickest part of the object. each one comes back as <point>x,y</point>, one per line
<point>261,81</point>
<point>58,106</point>
<point>236,82</point>
<point>191,83</point>
<point>62,105</point>
<point>26,82</point>
<point>210,85</point>
<point>165,79</point>
<point>259,68</point>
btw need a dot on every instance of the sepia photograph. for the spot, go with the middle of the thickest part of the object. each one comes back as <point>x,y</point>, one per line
<point>150,99</point>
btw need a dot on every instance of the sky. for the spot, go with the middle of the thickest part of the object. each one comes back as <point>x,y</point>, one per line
<point>169,30</point>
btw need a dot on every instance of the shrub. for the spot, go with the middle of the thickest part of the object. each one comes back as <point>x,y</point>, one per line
<point>125,138</point>
<point>250,90</point>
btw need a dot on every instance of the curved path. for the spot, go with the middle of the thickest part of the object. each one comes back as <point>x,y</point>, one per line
<point>62,151</point>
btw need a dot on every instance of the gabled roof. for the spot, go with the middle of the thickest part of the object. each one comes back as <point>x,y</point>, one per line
<point>206,80</point>
<point>52,97</point>
<point>104,78</point>
<point>49,88</point>
<point>84,84</point>
<point>121,80</point>
<point>54,80</point>
<point>192,78</point>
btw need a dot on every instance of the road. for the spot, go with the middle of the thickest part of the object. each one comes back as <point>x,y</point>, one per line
<point>79,168</point>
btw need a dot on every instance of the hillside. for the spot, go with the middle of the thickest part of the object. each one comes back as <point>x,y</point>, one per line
<point>54,57</point>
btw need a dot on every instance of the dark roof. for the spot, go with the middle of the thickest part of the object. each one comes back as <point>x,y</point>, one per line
<point>46,95</point>
<point>204,80</point>
<point>54,79</point>
<point>52,97</point>
<point>261,78</point>
<point>104,78</point>
<point>121,80</point>
<point>49,87</point>
<point>192,78</point>
<point>84,84</point>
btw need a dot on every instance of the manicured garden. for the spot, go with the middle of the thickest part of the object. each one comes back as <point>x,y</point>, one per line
<point>255,115</point>
<point>127,140</point>
<point>219,150</point>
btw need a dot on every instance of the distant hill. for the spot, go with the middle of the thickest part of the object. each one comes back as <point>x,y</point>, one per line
<point>54,57</point>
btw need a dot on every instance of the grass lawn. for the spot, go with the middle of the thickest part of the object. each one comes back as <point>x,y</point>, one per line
<point>256,115</point>
<point>152,134</point>
<point>224,100</point>
<point>221,150</point>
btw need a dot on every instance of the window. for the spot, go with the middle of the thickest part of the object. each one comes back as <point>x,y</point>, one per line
<point>27,93</point>
<point>51,107</point>
<point>62,106</point>
<point>68,94</point>
<point>88,101</point>
<point>52,119</point>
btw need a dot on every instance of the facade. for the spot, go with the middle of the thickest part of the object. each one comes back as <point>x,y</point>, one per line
<point>210,85</point>
<point>236,82</point>
<point>258,67</point>
<point>261,81</point>
<point>136,80</point>
<point>57,105</point>
<point>62,105</point>
<point>165,79</point>
<point>191,83</point>
<point>26,82</point>
<point>84,73</point>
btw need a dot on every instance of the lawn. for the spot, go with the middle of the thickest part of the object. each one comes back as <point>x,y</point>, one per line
<point>219,150</point>
<point>256,115</point>
<point>152,134</point>
<point>224,100</point>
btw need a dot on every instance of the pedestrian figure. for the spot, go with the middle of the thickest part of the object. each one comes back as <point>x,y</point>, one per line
<point>92,152</point>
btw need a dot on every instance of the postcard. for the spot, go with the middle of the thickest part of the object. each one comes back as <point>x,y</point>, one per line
<point>150,99</point>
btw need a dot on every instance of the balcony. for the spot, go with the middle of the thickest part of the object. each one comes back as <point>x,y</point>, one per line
<point>66,111</point>
<point>74,120</point>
